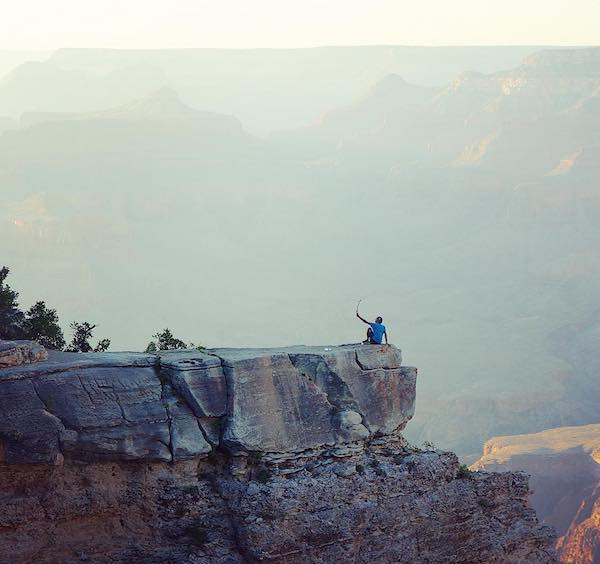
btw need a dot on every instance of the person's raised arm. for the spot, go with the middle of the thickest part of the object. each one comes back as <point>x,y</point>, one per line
<point>362,319</point>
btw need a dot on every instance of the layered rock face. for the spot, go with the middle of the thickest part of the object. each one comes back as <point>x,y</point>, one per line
<point>564,464</point>
<point>14,353</point>
<point>234,455</point>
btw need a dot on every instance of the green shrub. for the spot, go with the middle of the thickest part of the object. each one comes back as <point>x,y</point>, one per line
<point>464,472</point>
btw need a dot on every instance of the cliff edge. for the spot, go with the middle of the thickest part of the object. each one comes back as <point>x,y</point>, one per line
<point>240,455</point>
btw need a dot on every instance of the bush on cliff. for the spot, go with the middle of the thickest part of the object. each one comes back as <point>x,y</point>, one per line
<point>82,333</point>
<point>165,341</point>
<point>11,317</point>
<point>41,325</point>
<point>464,472</point>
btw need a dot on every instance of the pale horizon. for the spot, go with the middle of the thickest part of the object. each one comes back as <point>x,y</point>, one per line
<point>232,24</point>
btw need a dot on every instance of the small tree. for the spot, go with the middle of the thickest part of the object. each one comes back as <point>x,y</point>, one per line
<point>11,317</point>
<point>41,324</point>
<point>165,341</point>
<point>82,333</point>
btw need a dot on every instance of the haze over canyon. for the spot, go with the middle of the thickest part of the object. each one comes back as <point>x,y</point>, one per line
<point>249,198</point>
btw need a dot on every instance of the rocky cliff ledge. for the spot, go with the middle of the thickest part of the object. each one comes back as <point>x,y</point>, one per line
<point>235,455</point>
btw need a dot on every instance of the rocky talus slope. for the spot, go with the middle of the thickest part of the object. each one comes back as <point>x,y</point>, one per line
<point>232,455</point>
<point>564,464</point>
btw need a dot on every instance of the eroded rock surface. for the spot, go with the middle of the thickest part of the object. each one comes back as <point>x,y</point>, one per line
<point>14,353</point>
<point>235,455</point>
<point>89,407</point>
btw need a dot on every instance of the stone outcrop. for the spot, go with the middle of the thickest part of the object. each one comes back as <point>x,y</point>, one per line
<point>14,353</point>
<point>178,405</point>
<point>564,464</point>
<point>581,543</point>
<point>239,455</point>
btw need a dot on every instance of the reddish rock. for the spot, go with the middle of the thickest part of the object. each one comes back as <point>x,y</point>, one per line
<point>564,464</point>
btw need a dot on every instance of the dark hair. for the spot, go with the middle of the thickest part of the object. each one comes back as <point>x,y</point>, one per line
<point>379,319</point>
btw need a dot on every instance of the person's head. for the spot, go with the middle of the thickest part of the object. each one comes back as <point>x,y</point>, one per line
<point>379,319</point>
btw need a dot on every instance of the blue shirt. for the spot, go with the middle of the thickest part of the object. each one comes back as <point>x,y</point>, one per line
<point>378,331</point>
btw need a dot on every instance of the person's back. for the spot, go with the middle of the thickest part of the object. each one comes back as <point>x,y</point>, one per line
<point>377,333</point>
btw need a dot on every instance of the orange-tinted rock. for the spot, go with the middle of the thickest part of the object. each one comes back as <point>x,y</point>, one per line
<point>564,464</point>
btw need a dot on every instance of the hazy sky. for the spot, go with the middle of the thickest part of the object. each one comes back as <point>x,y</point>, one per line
<point>48,24</point>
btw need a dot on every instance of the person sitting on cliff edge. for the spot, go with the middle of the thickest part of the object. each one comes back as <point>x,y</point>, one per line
<point>375,332</point>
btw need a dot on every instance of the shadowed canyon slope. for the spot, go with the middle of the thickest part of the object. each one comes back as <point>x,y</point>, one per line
<point>564,465</point>
<point>240,455</point>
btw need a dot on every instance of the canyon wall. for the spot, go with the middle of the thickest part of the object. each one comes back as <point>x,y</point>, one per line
<point>564,464</point>
<point>239,455</point>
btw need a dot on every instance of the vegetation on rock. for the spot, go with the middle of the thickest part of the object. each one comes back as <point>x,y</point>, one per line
<point>82,333</point>
<point>165,341</point>
<point>41,323</point>
<point>11,317</point>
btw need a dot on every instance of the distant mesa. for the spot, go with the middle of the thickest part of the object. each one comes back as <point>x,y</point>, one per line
<point>161,105</point>
<point>560,440</point>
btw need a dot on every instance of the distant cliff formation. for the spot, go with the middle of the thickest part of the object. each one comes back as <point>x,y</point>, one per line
<point>238,455</point>
<point>564,464</point>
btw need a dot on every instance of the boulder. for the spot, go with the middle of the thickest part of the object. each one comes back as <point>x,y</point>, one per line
<point>15,353</point>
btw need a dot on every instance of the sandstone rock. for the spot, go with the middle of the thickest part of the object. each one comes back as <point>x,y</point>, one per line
<point>351,426</point>
<point>367,379</point>
<point>15,353</point>
<point>581,542</point>
<point>371,357</point>
<point>186,435</point>
<point>128,406</point>
<point>564,464</point>
<point>358,513</point>
<point>93,407</point>
<point>103,458</point>
<point>199,379</point>
<point>272,407</point>
<point>28,432</point>
<point>359,510</point>
<point>294,399</point>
